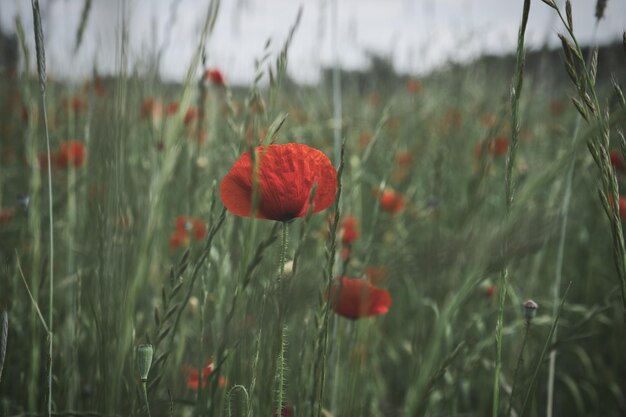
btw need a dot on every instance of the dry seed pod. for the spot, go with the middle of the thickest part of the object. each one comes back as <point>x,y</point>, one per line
<point>530,310</point>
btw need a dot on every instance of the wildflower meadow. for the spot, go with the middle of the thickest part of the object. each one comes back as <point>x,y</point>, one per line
<point>448,244</point>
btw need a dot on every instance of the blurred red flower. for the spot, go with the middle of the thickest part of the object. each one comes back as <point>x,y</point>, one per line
<point>349,230</point>
<point>391,201</point>
<point>190,115</point>
<point>413,86</point>
<point>285,174</point>
<point>172,108</point>
<point>358,298</point>
<point>215,76</point>
<point>151,108</point>
<point>185,228</point>
<point>494,147</point>
<point>191,225</point>
<point>617,160</point>
<point>71,152</point>
<point>75,104</point>
<point>193,377</point>
<point>6,215</point>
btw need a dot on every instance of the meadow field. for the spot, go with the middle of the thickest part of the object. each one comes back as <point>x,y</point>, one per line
<point>453,246</point>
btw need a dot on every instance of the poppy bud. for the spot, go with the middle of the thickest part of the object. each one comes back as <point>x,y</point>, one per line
<point>530,310</point>
<point>144,360</point>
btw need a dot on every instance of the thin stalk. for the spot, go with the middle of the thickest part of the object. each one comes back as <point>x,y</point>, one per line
<point>41,69</point>
<point>560,256</point>
<point>337,107</point>
<point>145,397</point>
<point>509,194</point>
<point>517,367</point>
<point>543,351</point>
<point>280,371</point>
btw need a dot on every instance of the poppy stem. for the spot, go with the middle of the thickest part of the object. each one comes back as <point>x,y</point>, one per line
<point>145,398</point>
<point>517,367</point>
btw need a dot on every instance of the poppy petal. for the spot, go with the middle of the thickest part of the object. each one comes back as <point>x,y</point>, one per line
<point>286,175</point>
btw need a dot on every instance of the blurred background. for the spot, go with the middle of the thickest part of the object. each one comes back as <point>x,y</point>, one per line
<point>415,35</point>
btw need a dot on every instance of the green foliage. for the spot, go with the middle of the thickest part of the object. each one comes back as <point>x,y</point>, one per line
<point>245,314</point>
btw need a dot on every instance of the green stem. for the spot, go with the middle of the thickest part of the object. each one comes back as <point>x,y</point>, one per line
<point>517,367</point>
<point>145,397</point>
<point>509,193</point>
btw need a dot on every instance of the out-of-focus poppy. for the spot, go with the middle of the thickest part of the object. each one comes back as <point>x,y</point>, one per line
<point>490,291</point>
<point>494,147</point>
<point>349,230</point>
<point>358,298</point>
<point>557,107</point>
<point>215,76</point>
<point>75,104</point>
<point>390,201</point>
<point>6,215</point>
<point>194,380</point>
<point>178,239</point>
<point>191,225</point>
<point>413,86</point>
<point>617,160</point>
<point>191,115</point>
<point>285,175</point>
<point>365,137</point>
<point>172,108</point>
<point>151,108</point>
<point>71,152</point>
<point>186,228</point>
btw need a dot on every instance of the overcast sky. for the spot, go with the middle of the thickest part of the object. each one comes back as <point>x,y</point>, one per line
<point>417,35</point>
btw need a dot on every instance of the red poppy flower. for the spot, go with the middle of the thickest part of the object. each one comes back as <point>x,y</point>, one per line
<point>617,160</point>
<point>191,225</point>
<point>499,146</point>
<point>6,215</point>
<point>215,76</point>
<point>391,201</point>
<point>358,298</point>
<point>490,291</point>
<point>193,377</point>
<point>172,108</point>
<point>75,104</point>
<point>496,147</point>
<point>71,152</point>
<point>349,230</point>
<point>413,86</point>
<point>178,239</point>
<point>190,115</point>
<point>151,108</point>
<point>286,175</point>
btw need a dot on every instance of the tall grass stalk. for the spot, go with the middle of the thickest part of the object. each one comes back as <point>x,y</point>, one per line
<point>509,194</point>
<point>41,69</point>
<point>337,122</point>
<point>558,275</point>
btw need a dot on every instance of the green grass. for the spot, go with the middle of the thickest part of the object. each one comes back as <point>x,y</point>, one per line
<point>236,299</point>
